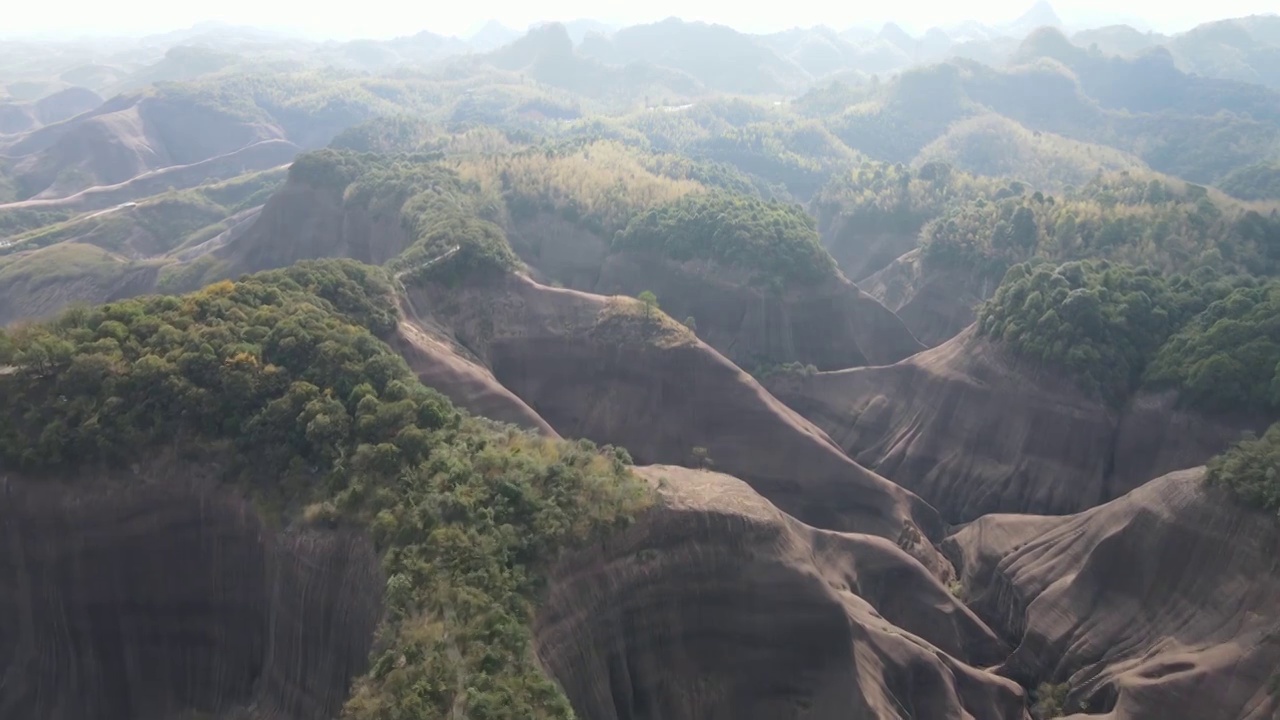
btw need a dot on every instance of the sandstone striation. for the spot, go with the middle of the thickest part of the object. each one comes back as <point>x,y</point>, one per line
<point>716,605</point>
<point>145,597</point>
<point>599,368</point>
<point>1160,605</point>
<point>974,431</point>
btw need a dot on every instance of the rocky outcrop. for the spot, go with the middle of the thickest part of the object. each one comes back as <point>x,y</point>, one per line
<point>597,368</point>
<point>304,222</point>
<point>446,366</point>
<point>832,325</point>
<point>973,431</point>
<point>715,605</point>
<point>148,596</point>
<point>935,304</point>
<point>1160,605</point>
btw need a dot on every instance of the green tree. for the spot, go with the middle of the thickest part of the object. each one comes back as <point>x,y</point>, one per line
<point>650,303</point>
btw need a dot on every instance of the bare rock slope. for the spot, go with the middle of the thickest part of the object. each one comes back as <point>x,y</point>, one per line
<point>1160,605</point>
<point>716,605</point>
<point>831,325</point>
<point>935,304</point>
<point>146,597</point>
<point>599,368</point>
<point>973,431</point>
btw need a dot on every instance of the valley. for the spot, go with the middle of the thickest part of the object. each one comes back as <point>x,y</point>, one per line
<point>652,372</point>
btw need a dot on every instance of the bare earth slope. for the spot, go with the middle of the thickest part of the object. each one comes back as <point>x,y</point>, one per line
<point>717,606</point>
<point>1160,605</point>
<point>596,367</point>
<point>126,136</point>
<point>974,432</point>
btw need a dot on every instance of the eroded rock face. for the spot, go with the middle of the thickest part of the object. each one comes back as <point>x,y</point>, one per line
<point>935,304</point>
<point>1160,605</point>
<point>715,605</point>
<point>441,363</point>
<point>832,325</point>
<point>134,600</point>
<point>974,431</point>
<point>592,373</point>
<point>303,222</point>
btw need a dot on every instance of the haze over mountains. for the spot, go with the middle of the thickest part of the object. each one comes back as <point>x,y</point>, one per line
<point>642,371</point>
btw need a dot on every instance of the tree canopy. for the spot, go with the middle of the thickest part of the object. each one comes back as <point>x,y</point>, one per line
<point>774,242</point>
<point>282,378</point>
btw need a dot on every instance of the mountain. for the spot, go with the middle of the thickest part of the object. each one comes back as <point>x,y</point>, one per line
<point>491,36</point>
<point>1039,15</point>
<point>659,371</point>
<point>719,57</point>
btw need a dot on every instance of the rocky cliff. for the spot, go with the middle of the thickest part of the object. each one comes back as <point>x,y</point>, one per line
<point>148,595</point>
<point>716,605</point>
<point>974,431</point>
<point>599,368</point>
<point>1160,605</point>
<point>832,326</point>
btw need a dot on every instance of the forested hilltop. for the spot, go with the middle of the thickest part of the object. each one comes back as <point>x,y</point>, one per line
<point>282,379</point>
<point>934,349</point>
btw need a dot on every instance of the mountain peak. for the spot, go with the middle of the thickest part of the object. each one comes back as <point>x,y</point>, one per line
<point>1039,15</point>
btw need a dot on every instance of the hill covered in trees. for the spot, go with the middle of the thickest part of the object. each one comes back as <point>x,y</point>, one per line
<point>284,379</point>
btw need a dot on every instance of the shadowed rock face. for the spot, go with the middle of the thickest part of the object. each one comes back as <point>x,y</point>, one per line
<point>302,222</point>
<point>1160,605</point>
<point>973,431</point>
<point>592,373</point>
<point>717,606</point>
<point>833,325</point>
<point>150,600</point>
<point>935,304</point>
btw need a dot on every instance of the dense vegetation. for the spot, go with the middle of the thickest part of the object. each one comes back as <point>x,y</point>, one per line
<point>1124,217</point>
<point>776,244</point>
<point>1101,323</point>
<point>1228,357</point>
<point>1254,182</point>
<point>601,185</point>
<point>282,378</point>
<point>1251,470</point>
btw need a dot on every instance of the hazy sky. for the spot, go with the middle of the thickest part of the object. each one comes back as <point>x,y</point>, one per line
<point>388,18</point>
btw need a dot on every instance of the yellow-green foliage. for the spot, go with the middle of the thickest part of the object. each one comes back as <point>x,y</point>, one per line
<point>603,183</point>
<point>995,146</point>
<point>1132,218</point>
<point>632,320</point>
<point>882,197</point>
<point>282,378</point>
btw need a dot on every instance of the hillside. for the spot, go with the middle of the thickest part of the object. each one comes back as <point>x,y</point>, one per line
<point>569,370</point>
<point>1173,543</point>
